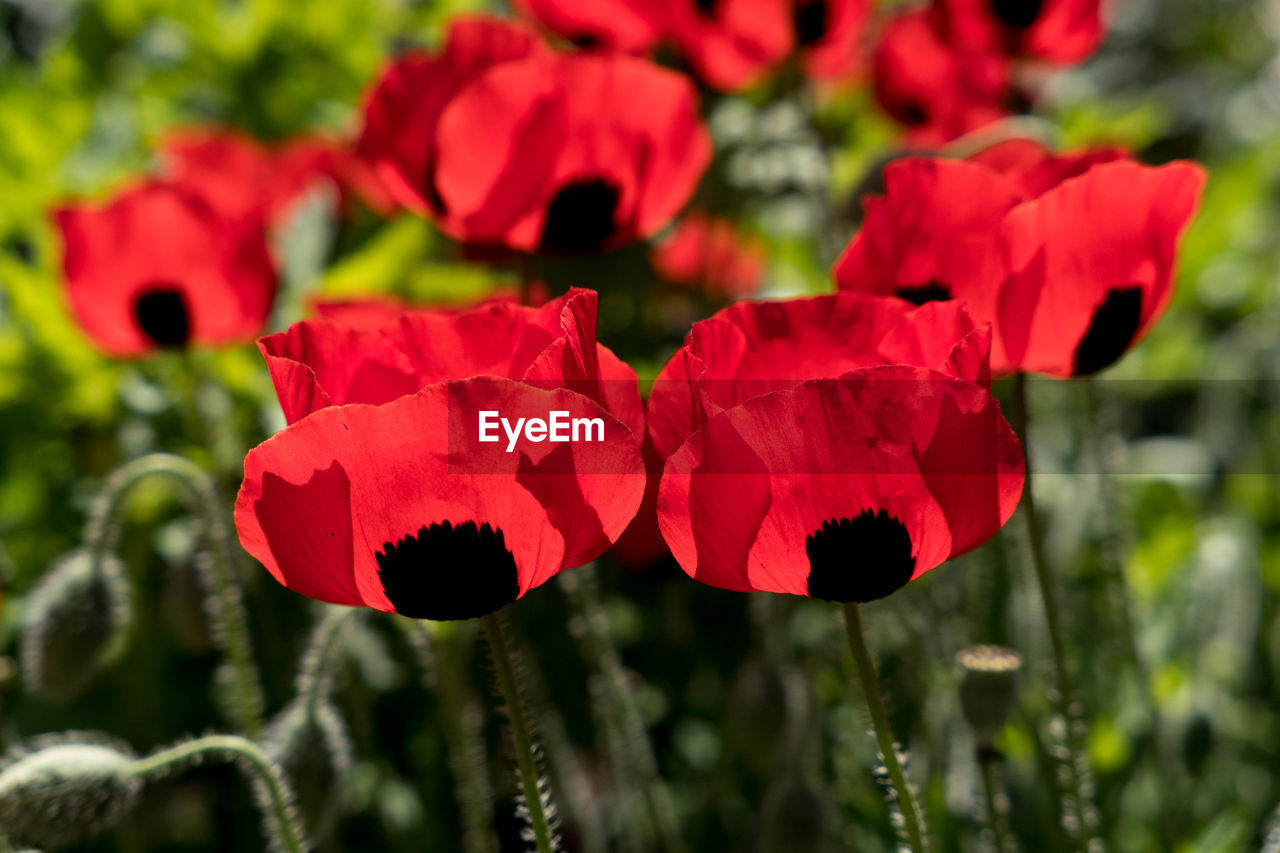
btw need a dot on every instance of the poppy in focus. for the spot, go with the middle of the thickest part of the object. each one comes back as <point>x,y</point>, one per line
<point>159,266</point>
<point>383,492</point>
<point>835,465</point>
<point>938,91</point>
<point>711,253</point>
<point>1071,258</point>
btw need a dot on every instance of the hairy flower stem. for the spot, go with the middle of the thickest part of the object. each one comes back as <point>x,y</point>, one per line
<point>506,668</point>
<point>901,793</point>
<point>461,722</point>
<point>277,800</point>
<point>591,627</point>
<point>993,795</point>
<point>315,678</point>
<point>1073,768</point>
<point>231,631</point>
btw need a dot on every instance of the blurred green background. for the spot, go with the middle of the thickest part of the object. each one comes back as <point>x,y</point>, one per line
<point>1171,580</point>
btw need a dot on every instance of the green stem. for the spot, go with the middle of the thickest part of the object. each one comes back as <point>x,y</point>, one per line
<point>461,723</point>
<point>278,800</point>
<point>912,817</point>
<point>997,820</point>
<point>314,679</point>
<point>231,632</point>
<point>592,628</point>
<point>1064,701</point>
<point>505,669</point>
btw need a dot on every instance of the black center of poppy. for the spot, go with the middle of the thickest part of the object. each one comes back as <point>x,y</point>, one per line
<point>913,114</point>
<point>859,559</point>
<point>707,8</point>
<point>1018,14</point>
<point>811,20</point>
<point>934,291</point>
<point>448,571</point>
<point>1110,332</point>
<point>580,218</point>
<point>162,315</point>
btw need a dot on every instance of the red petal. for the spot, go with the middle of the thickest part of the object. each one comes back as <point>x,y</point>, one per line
<point>737,43</point>
<point>753,348</point>
<point>1117,226</point>
<point>415,462</point>
<point>317,363</point>
<point>739,499</point>
<point>627,25</point>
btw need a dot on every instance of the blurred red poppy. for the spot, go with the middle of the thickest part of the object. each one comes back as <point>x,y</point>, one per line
<point>506,143</point>
<point>381,491</point>
<point>1070,258</point>
<point>829,35</point>
<point>1065,31</point>
<point>569,154</point>
<point>633,26</point>
<point>731,44</point>
<point>937,91</point>
<point>711,253</point>
<point>159,266</point>
<point>244,176</point>
<point>832,465</point>
<point>402,110</point>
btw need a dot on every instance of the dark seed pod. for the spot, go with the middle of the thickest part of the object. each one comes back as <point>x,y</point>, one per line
<point>794,816</point>
<point>74,622</point>
<point>58,790</point>
<point>314,754</point>
<point>988,688</point>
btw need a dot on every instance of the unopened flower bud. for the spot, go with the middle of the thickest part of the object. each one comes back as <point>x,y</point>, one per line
<point>314,754</point>
<point>75,620</point>
<point>54,794</point>
<point>988,688</point>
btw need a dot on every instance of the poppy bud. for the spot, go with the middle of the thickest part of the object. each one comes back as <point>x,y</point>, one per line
<point>794,817</point>
<point>988,688</point>
<point>314,753</point>
<point>62,791</point>
<point>75,620</point>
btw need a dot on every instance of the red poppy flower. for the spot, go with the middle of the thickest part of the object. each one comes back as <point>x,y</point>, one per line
<point>1067,299</point>
<point>381,491</point>
<point>245,177</point>
<point>940,93</point>
<point>402,110</point>
<point>842,486</point>
<point>711,253</point>
<point>320,363</point>
<point>829,35</point>
<point>752,348</point>
<point>1091,265</point>
<point>731,44</point>
<point>569,153</point>
<point>399,507</point>
<point>158,266</point>
<point>1066,31</point>
<point>633,26</point>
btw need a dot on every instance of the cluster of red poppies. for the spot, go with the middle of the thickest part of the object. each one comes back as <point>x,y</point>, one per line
<point>835,446</point>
